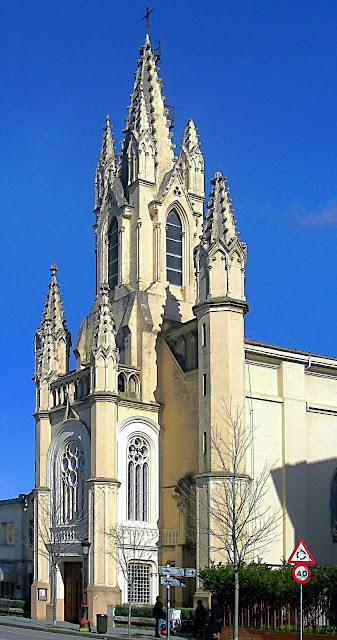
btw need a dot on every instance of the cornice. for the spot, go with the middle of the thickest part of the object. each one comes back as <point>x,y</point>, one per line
<point>221,304</point>
<point>44,413</point>
<point>215,475</point>
<point>137,404</point>
<point>106,481</point>
<point>102,396</point>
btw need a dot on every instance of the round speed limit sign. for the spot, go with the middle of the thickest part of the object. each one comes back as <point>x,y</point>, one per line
<point>301,573</point>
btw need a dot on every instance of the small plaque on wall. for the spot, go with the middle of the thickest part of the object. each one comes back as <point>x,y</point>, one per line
<point>42,594</point>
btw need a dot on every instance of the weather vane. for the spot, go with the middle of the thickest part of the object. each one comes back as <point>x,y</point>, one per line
<point>146,17</point>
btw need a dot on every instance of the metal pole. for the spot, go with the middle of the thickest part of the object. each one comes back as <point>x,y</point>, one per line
<point>301,611</point>
<point>168,612</point>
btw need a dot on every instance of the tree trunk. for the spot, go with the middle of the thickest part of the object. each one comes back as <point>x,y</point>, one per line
<point>54,575</point>
<point>236,603</point>
<point>129,618</point>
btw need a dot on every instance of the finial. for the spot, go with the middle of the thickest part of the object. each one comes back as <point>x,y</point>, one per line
<point>107,118</point>
<point>53,269</point>
<point>146,17</point>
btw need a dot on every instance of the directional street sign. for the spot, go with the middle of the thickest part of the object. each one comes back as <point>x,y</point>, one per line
<point>177,572</point>
<point>172,582</point>
<point>171,571</point>
<point>301,554</point>
<point>301,573</point>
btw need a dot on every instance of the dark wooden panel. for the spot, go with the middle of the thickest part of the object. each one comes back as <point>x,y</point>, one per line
<point>72,591</point>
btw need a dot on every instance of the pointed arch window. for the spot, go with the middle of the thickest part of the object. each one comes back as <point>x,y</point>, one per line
<point>72,482</point>
<point>138,479</point>
<point>113,253</point>
<point>174,249</point>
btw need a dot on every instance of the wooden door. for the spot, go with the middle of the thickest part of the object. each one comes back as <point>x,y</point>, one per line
<point>72,591</point>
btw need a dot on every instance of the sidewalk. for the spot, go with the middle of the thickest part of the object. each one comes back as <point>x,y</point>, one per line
<point>68,628</point>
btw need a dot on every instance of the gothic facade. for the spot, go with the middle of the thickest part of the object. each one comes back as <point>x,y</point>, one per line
<point>159,356</point>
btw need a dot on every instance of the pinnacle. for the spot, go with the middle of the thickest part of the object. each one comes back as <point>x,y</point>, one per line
<point>52,337</point>
<point>104,332</point>
<point>53,308</point>
<point>147,112</point>
<point>107,158</point>
<point>219,223</point>
<point>191,138</point>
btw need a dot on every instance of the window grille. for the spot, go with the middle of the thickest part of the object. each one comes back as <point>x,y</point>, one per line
<point>174,249</point>
<point>139,583</point>
<point>113,253</point>
<point>138,479</point>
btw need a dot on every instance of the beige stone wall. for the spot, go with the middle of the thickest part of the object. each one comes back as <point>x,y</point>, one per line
<point>179,455</point>
<point>293,403</point>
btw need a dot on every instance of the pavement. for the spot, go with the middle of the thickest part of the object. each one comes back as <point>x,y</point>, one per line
<point>68,628</point>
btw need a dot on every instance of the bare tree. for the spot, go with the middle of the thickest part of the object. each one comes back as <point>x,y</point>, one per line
<point>55,539</point>
<point>131,547</point>
<point>232,512</point>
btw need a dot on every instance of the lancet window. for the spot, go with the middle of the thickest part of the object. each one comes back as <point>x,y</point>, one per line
<point>113,253</point>
<point>174,250</point>
<point>138,479</point>
<point>72,483</point>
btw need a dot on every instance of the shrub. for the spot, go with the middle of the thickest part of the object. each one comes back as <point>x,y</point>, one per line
<point>136,612</point>
<point>14,603</point>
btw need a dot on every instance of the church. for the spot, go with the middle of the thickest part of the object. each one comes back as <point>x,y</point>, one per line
<point>160,356</point>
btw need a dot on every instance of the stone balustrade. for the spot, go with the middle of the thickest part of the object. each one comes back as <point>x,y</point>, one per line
<point>76,385</point>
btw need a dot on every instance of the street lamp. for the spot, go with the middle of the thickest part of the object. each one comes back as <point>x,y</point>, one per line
<point>85,623</point>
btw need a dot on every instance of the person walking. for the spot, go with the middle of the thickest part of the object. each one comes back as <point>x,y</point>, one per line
<point>199,620</point>
<point>158,615</point>
<point>216,620</point>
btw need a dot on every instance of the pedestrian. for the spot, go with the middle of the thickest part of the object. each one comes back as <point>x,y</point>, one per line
<point>158,614</point>
<point>199,620</point>
<point>216,620</point>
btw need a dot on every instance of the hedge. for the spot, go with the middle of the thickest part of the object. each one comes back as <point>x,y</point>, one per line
<point>20,604</point>
<point>146,612</point>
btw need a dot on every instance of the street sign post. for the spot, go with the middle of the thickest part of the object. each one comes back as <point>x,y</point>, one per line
<point>172,582</point>
<point>177,572</point>
<point>301,573</point>
<point>301,558</point>
<point>171,577</point>
<point>301,554</point>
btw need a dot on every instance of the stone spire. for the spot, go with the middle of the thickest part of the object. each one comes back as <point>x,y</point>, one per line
<point>106,166</point>
<point>52,339</point>
<point>220,257</point>
<point>219,221</point>
<point>191,160</point>
<point>147,150</point>
<point>104,353</point>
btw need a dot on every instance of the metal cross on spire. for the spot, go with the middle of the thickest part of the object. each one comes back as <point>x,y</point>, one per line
<point>146,17</point>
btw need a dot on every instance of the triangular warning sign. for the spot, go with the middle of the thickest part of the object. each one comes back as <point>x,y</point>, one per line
<point>301,553</point>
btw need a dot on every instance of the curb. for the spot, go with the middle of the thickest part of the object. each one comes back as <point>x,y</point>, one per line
<point>35,627</point>
<point>74,632</point>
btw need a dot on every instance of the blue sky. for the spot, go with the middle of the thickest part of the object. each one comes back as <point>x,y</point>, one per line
<point>258,78</point>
